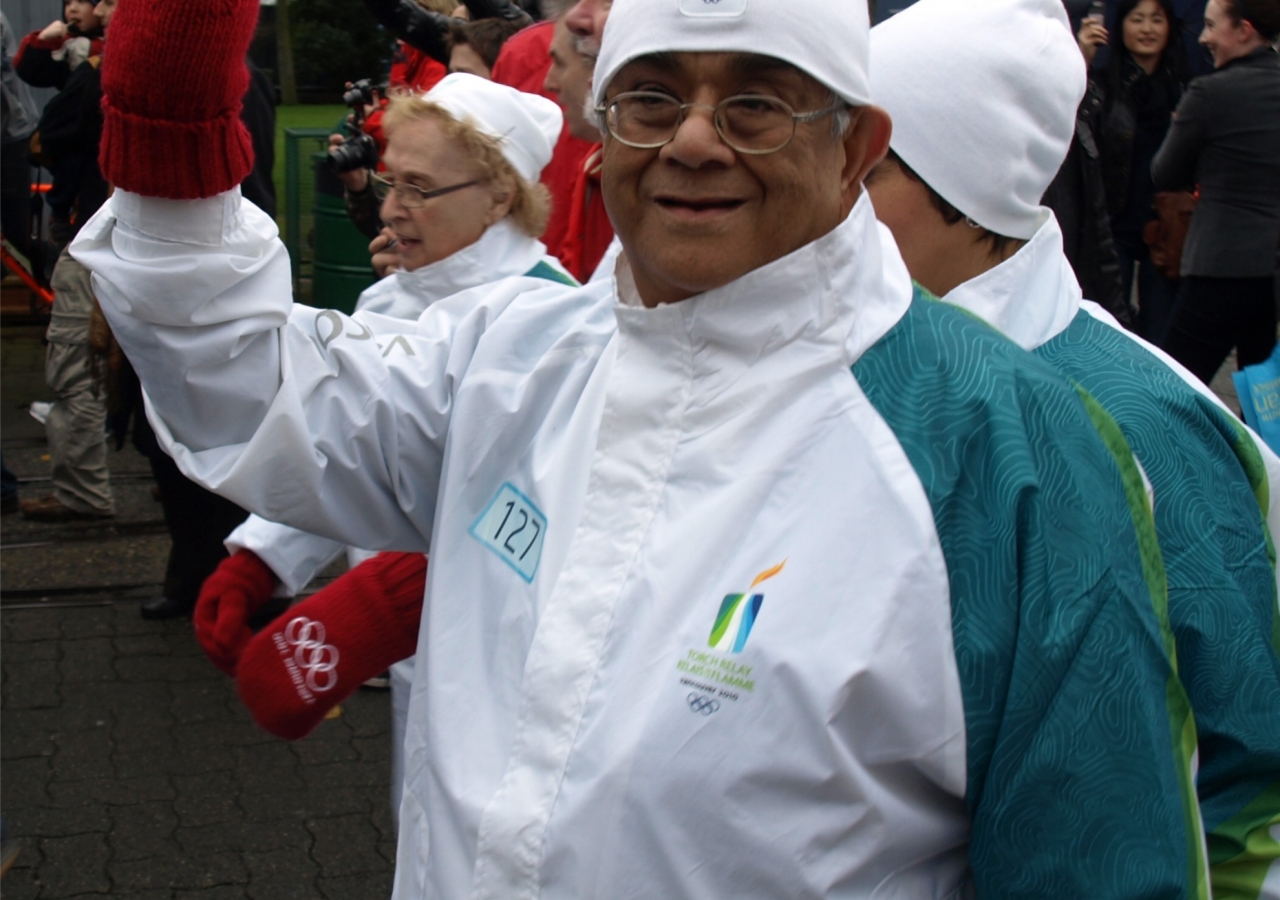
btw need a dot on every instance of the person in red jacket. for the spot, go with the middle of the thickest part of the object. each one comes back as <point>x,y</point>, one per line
<point>588,231</point>
<point>523,65</point>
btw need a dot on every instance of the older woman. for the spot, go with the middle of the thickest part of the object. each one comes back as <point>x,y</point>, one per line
<point>1225,138</point>
<point>465,208</point>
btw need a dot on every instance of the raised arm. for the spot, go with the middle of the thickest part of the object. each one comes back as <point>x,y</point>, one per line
<point>418,27</point>
<point>428,31</point>
<point>304,416</point>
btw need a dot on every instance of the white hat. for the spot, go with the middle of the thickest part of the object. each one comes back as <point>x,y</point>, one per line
<point>983,97</point>
<point>526,126</point>
<point>826,39</point>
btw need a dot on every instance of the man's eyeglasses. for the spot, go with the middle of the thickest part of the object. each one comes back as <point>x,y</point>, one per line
<point>748,123</point>
<point>410,196</point>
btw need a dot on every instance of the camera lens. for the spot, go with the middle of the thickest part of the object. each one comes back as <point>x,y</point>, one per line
<point>354,153</point>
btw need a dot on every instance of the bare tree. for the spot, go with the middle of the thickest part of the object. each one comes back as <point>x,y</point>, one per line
<point>284,54</point>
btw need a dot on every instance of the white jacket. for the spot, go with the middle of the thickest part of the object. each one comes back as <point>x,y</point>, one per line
<point>708,615</point>
<point>503,251</point>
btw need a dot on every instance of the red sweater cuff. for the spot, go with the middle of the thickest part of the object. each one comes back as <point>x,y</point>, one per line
<point>174,160</point>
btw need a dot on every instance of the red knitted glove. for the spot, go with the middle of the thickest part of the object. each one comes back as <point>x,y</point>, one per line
<point>173,78</point>
<point>234,592</point>
<point>315,655</point>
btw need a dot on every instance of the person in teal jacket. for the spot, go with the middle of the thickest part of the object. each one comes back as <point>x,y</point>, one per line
<point>967,216</point>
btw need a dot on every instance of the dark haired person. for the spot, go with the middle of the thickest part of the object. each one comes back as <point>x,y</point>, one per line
<point>474,46</point>
<point>1133,100</point>
<point>1225,138</point>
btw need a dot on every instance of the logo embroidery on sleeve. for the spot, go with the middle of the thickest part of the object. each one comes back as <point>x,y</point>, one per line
<point>514,528</point>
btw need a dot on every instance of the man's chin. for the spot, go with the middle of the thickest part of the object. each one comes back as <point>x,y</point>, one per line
<point>697,269</point>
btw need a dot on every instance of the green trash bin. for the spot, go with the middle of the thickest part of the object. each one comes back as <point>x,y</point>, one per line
<point>340,261</point>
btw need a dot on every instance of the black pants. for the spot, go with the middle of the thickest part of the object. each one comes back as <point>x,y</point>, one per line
<point>1213,315</point>
<point>197,519</point>
<point>15,196</point>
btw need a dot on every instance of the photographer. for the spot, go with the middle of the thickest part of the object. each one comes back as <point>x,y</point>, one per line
<point>354,156</point>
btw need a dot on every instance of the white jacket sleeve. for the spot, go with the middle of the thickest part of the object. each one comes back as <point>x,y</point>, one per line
<point>333,424</point>
<point>294,556</point>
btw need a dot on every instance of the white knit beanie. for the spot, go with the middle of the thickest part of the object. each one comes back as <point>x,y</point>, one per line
<point>825,39</point>
<point>526,126</point>
<point>983,97</point>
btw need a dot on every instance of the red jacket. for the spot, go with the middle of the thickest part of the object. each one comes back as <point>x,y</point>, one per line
<point>590,230</point>
<point>414,69</point>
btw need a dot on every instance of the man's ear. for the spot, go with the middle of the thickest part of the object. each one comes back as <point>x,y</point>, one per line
<point>866,142</point>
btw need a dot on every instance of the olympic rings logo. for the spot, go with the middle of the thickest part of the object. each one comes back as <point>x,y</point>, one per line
<point>311,654</point>
<point>701,703</point>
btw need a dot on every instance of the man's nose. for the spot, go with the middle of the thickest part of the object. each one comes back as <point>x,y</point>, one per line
<point>579,19</point>
<point>697,142</point>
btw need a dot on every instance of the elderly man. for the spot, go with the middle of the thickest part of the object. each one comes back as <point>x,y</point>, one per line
<point>709,614</point>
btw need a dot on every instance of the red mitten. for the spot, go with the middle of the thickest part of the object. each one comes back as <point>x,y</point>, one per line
<point>315,655</point>
<point>173,78</point>
<point>234,592</point>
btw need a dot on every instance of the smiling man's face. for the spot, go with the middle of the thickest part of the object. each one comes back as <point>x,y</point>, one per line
<point>695,214</point>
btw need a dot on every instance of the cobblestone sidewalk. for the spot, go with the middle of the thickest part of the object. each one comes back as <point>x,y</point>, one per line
<point>131,769</point>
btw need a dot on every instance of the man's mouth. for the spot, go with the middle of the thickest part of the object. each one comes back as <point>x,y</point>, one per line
<point>698,207</point>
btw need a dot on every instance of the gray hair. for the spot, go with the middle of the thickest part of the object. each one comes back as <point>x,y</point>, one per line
<point>842,118</point>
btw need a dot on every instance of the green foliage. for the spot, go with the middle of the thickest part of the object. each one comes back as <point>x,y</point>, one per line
<point>335,41</point>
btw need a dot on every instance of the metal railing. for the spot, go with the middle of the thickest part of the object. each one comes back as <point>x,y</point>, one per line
<point>300,144</point>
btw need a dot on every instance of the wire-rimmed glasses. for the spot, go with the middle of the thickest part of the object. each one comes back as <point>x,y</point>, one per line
<point>410,196</point>
<point>749,123</point>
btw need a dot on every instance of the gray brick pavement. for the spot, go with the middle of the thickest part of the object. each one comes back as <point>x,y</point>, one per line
<point>129,768</point>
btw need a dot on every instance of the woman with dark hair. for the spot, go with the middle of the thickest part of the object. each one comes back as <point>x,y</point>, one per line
<point>1225,138</point>
<point>1133,99</point>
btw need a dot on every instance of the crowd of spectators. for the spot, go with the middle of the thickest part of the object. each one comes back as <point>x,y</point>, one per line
<point>1177,178</point>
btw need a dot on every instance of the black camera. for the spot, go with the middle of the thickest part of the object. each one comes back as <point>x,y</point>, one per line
<point>359,151</point>
<point>360,95</point>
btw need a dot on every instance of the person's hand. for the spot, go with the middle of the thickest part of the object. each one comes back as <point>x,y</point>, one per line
<point>54,31</point>
<point>1092,35</point>
<point>171,124</point>
<point>356,180</point>
<point>240,585</point>
<point>316,654</point>
<point>386,259</point>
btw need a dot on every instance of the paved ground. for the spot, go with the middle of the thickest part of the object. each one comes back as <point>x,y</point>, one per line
<point>131,769</point>
<point>128,766</point>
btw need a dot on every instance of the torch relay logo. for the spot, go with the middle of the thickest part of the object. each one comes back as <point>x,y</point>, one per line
<point>737,614</point>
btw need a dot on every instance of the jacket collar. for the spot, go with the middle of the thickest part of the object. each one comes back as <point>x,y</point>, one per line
<point>844,290</point>
<point>1264,55</point>
<point>503,251</point>
<point>1030,297</point>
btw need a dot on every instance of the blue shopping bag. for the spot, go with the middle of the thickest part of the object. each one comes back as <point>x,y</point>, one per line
<point>1259,389</point>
